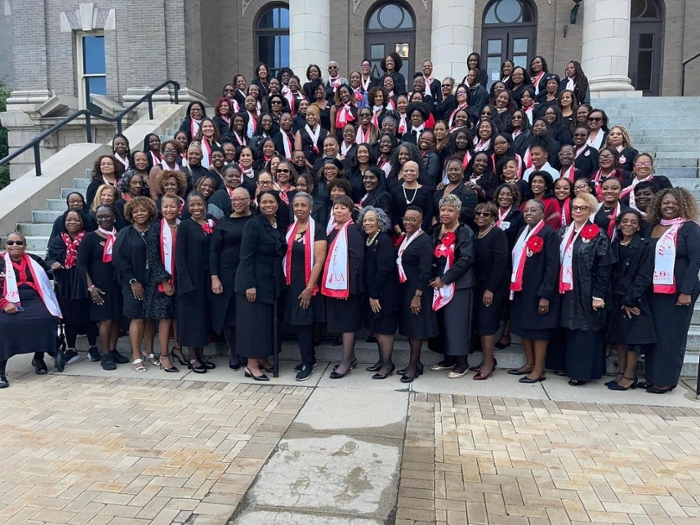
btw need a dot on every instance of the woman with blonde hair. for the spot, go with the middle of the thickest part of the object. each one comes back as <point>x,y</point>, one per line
<point>619,138</point>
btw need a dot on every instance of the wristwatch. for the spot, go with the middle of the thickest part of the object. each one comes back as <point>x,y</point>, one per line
<point>132,281</point>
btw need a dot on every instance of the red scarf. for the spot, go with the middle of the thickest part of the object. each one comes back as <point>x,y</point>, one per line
<point>612,218</point>
<point>565,211</point>
<point>109,244</point>
<point>343,116</point>
<point>308,241</point>
<point>598,182</point>
<point>446,248</point>
<point>71,249</point>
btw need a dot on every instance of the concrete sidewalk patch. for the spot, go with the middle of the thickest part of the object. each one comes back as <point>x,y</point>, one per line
<point>296,518</point>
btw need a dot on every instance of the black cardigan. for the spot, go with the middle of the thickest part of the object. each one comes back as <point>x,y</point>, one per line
<point>381,277</point>
<point>461,273</point>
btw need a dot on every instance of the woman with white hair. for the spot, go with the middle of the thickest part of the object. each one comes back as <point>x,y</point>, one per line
<point>382,284</point>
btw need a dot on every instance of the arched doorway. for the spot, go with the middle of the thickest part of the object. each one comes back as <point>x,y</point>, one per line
<point>646,37</point>
<point>391,27</point>
<point>509,30</point>
<point>272,38</point>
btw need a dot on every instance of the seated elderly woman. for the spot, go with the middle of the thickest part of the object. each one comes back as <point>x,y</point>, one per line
<point>29,308</point>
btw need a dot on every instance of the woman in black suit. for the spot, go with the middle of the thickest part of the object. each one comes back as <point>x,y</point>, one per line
<point>534,292</point>
<point>259,283</point>
<point>342,282</point>
<point>586,262</point>
<point>456,186</point>
<point>391,65</point>
<point>631,326</point>
<point>672,215</point>
<point>452,287</point>
<point>374,182</point>
<point>586,160</point>
<point>195,114</point>
<point>382,284</point>
<point>417,321</point>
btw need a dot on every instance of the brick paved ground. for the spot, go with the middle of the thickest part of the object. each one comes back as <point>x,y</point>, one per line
<point>94,450</point>
<point>501,461</point>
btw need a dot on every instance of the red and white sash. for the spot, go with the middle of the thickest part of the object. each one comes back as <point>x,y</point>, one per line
<point>404,244</point>
<point>314,136</point>
<point>206,153</point>
<point>376,110</point>
<point>520,256</point>
<point>167,251</point>
<point>530,113</point>
<point>428,81</point>
<point>612,227</point>
<point>336,271</point>
<point>41,284</point>
<point>481,145</point>
<point>365,83</point>
<point>629,190</point>
<point>109,243</point>
<point>288,143</point>
<point>566,255</point>
<point>502,217</point>
<point>443,295</point>
<point>536,82</point>
<point>344,148</point>
<point>598,182</point>
<point>194,127</point>
<point>528,159</point>
<point>362,136</point>
<point>454,112</point>
<point>343,116</point>
<point>402,124</point>
<point>665,257</point>
<point>569,173</point>
<point>156,158</point>
<point>252,125</point>
<point>308,241</point>
<point>566,212</point>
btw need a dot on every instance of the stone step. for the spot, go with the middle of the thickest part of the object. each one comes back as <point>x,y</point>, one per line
<point>37,244</point>
<point>654,135</point>
<point>676,162</point>
<point>692,184</point>
<point>56,204</point>
<point>695,321</point>
<point>37,230</point>
<point>67,191</point>
<point>45,216</point>
<point>679,144</point>
<point>650,122</point>
<point>679,173</point>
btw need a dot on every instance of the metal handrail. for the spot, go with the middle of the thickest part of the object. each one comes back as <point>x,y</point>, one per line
<point>683,73</point>
<point>36,141</point>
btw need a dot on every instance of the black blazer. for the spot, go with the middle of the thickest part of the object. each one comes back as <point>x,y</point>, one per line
<point>381,276</point>
<point>399,82</point>
<point>587,162</point>
<point>356,258</point>
<point>221,125</point>
<point>469,200</point>
<point>461,273</point>
<point>436,90</point>
<point>633,280</point>
<point>379,200</point>
<point>262,250</point>
<point>445,107</point>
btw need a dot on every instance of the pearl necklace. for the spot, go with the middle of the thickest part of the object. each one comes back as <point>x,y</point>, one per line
<point>486,232</point>
<point>371,239</point>
<point>403,187</point>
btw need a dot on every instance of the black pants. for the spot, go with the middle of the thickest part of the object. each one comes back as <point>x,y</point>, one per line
<point>305,335</point>
<point>72,331</point>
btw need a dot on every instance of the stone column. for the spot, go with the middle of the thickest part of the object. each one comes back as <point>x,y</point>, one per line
<point>452,38</point>
<point>309,34</point>
<point>606,46</point>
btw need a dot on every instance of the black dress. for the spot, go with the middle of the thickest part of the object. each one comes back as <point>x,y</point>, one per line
<point>294,314</point>
<point>131,262</point>
<point>631,285</point>
<point>382,283</point>
<point>417,261</point>
<point>70,285</point>
<point>591,264</point>
<point>103,276</point>
<point>224,257</point>
<point>400,200</point>
<point>512,225</point>
<point>192,284</point>
<point>467,197</point>
<point>345,315</point>
<point>663,366</point>
<point>29,331</point>
<point>540,281</point>
<point>491,269</point>
<point>262,250</point>
<point>157,304</point>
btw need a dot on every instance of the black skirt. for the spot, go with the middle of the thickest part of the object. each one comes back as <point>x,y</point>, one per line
<point>344,316</point>
<point>33,330</point>
<point>254,328</point>
<point>133,307</point>
<point>421,326</point>
<point>75,311</point>
<point>636,331</point>
<point>159,306</point>
<point>112,306</point>
<point>192,320</point>
<point>455,323</point>
<point>382,325</point>
<point>488,318</point>
<point>585,349</point>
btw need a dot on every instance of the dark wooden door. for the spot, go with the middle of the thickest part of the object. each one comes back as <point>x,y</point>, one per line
<point>645,56</point>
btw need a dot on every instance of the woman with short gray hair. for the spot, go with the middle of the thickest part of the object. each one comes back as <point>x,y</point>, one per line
<point>382,284</point>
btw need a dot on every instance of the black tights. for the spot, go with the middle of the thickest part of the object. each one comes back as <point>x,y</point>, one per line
<point>230,336</point>
<point>72,333</point>
<point>3,363</point>
<point>305,335</point>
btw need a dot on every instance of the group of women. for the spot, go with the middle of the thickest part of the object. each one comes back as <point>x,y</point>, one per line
<point>448,214</point>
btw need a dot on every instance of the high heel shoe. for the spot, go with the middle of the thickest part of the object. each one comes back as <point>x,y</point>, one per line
<point>384,376</point>
<point>620,388</point>
<point>526,380</point>
<point>180,360</point>
<point>201,369</point>
<point>376,367</point>
<point>501,346</point>
<point>409,379</point>
<point>208,364</point>
<point>651,389</point>
<point>250,374</point>
<point>481,377</point>
<point>353,365</point>
<point>172,368</point>
<point>478,367</point>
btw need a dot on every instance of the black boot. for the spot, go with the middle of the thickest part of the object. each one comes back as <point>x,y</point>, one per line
<point>3,380</point>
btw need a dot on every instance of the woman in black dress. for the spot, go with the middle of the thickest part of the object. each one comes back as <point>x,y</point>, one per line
<point>672,215</point>
<point>382,284</point>
<point>71,287</point>
<point>643,171</point>
<point>631,326</point>
<point>74,201</point>
<point>134,254</point>
<point>160,300</point>
<point>534,292</point>
<point>606,218</point>
<point>457,187</point>
<point>342,282</point>
<point>586,261</point>
<point>453,284</point>
<point>376,196</point>
<point>411,193</point>
<point>95,262</point>
<point>417,321</point>
<point>303,264</point>
<point>29,310</point>
<point>259,283</point>
<point>224,258</point>
<point>480,176</point>
<point>192,282</point>
<point>491,267</point>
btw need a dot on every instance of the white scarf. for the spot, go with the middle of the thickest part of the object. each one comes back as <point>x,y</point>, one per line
<point>404,244</point>
<point>194,127</point>
<point>252,126</point>
<point>597,141</point>
<point>362,137</point>
<point>41,281</point>
<point>480,145</point>
<point>109,243</point>
<point>314,135</point>
<point>536,82</point>
<point>336,271</point>
<point>164,165</point>
<point>665,257</point>
<point>167,251</point>
<point>344,148</point>
<point>124,160</point>
<point>365,83</point>
<point>519,254</point>
<point>629,190</point>
<point>570,83</point>
<point>566,255</point>
<point>428,81</point>
<point>288,144</point>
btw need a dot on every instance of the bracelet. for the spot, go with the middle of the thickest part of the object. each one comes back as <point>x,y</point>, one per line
<point>91,288</point>
<point>132,281</point>
<point>419,296</point>
<point>598,299</point>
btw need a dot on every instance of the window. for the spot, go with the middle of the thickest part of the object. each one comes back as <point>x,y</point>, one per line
<point>92,69</point>
<point>272,35</point>
<point>391,27</point>
<point>646,44</point>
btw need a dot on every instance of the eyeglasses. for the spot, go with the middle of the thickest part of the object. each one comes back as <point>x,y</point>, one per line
<point>282,171</point>
<point>410,220</point>
<point>579,208</point>
<point>461,92</point>
<point>595,119</point>
<point>264,182</point>
<point>517,117</point>
<point>482,214</point>
<point>240,199</point>
<point>606,157</point>
<point>580,188</point>
<point>15,243</point>
<point>332,67</point>
<point>169,150</point>
<point>646,164</point>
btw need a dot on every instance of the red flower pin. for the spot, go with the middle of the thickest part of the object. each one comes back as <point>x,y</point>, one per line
<point>590,232</point>
<point>207,227</point>
<point>535,244</point>
<point>449,239</point>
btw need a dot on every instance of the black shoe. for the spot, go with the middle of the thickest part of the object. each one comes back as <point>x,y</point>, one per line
<point>40,368</point>
<point>409,379</point>
<point>375,367</point>
<point>262,377</point>
<point>576,382</point>
<point>94,355</point>
<point>201,369</point>
<point>118,358</point>
<point>336,375</point>
<point>501,346</point>
<point>301,365</point>
<point>519,372</point>
<point>529,381</point>
<point>353,365</point>
<point>172,369</point>
<point>560,373</point>
<point>620,388</point>
<point>651,389</point>
<point>305,372</point>
<point>182,361</point>
<point>4,383</point>
<point>235,367</point>
<point>60,360</point>
<point>209,364</point>
<point>71,356</point>
<point>108,362</point>
<point>384,376</point>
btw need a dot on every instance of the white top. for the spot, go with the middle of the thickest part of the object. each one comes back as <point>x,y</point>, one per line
<point>554,173</point>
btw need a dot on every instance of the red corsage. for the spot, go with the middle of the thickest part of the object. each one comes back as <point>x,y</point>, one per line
<point>535,244</point>
<point>207,227</point>
<point>590,232</point>
<point>449,239</point>
<point>446,247</point>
